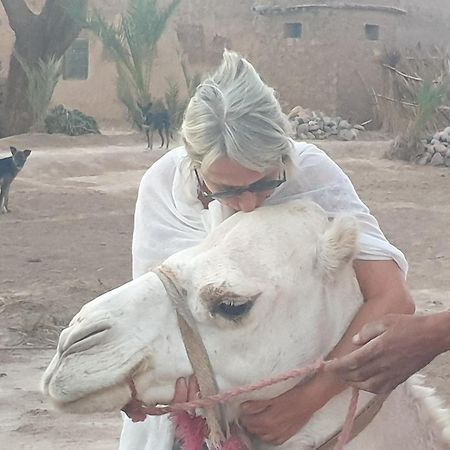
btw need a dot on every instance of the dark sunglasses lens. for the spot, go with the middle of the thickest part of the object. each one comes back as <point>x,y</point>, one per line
<point>259,186</point>
<point>266,185</point>
<point>226,194</point>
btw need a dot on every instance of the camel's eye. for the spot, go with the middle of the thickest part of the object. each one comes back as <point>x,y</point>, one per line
<point>231,310</point>
<point>226,303</point>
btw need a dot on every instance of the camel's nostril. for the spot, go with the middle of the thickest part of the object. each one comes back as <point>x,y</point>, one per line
<point>80,338</point>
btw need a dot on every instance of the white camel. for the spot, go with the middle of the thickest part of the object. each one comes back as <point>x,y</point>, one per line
<point>270,291</point>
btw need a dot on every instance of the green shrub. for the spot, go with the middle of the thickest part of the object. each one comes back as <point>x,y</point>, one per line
<point>70,122</point>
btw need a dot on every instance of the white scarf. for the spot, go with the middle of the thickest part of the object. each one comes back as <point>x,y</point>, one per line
<point>169,217</point>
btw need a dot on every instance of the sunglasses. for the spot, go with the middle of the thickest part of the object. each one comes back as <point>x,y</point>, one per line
<point>257,186</point>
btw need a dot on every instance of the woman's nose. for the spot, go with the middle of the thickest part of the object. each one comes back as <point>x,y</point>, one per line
<point>248,201</point>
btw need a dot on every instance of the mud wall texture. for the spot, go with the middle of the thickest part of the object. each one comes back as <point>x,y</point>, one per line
<point>323,57</point>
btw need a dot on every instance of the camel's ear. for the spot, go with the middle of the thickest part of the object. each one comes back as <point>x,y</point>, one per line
<point>338,245</point>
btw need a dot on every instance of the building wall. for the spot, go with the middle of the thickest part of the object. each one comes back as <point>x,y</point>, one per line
<point>331,68</point>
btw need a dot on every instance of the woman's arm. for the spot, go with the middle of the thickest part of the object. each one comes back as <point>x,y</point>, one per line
<point>276,420</point>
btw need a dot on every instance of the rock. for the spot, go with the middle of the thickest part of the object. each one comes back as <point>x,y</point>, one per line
<point>344,124</point>
<point>429,148</point>
<point>447,161</point>
<point>446,134</point>
<point>309,124</point>
<point>334,131</point>
<point>319,134</point>
<point>437,136</point>
<point>328,121</point>
<point>445,137</point>
<point>347,135</point>
<point>423,159</point>
<point>440,148</point>
<point>313,125</point>
<point>299,113</point>
<point>437,160</point>
<point>302,128</point>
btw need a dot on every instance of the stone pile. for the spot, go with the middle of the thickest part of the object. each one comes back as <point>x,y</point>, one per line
<point>308,125</point>
<point>437,150</point>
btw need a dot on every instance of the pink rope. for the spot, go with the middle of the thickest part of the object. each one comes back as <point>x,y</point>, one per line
<point>213,400</point>
<point>223,397</point>
<point>346,432</point>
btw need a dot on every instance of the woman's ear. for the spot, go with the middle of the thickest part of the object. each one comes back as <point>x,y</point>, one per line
<point>338,246</point>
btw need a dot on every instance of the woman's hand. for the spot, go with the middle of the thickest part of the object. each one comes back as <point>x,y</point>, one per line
<point>276,420</point>
<point>392,349</point>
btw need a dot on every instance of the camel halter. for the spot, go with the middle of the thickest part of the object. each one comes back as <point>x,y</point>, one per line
<point>198,357</point>
<point>212,401</point>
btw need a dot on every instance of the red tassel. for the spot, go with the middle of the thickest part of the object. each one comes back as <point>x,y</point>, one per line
<point>190,430</point>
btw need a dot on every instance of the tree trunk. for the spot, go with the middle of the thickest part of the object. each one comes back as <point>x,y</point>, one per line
<point>42,36</point>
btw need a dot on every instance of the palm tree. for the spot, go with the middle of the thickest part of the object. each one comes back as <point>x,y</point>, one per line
<point>40,40</point>
<point>132,44</point>
<point>42,79</point>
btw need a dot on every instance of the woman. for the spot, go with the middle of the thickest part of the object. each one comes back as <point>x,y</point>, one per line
<point>237,156</point>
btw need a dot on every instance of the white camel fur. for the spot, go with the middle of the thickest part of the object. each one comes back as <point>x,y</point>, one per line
<point>270,290</point>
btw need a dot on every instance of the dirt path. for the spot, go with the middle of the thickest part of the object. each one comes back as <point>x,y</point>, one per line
<point>68,239</point>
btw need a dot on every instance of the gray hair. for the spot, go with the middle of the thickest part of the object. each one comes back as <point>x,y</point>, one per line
<point>234,114</point>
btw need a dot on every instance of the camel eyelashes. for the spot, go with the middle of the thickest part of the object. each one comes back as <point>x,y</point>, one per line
<point>233,311</point>
<point>232,306</point>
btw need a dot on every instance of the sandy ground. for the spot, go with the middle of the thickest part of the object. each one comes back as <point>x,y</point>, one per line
<point>68,239</point>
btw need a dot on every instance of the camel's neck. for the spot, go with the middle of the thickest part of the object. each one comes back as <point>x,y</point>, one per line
<point>410,417</point>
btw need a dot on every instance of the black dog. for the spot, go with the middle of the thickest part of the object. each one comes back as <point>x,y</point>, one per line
<point>9,168</point>
<point>155,120</point>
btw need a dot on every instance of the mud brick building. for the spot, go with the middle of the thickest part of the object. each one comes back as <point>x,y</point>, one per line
<point>321,54</point>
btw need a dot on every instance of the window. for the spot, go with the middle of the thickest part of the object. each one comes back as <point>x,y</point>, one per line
<point>372,32</point>
<point>76,61</point>
<point>293,30</point>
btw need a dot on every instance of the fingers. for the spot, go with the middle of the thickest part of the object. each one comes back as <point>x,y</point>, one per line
<point>193,389</point>
<point>181,391</point>
<point>352,361</point>
<point>368,332</point>
<point>377,385</point>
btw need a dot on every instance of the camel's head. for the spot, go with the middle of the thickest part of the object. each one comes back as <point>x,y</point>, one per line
<point>269,290</point>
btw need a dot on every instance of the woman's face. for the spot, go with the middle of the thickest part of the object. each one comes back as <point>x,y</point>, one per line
<point>225,175</point>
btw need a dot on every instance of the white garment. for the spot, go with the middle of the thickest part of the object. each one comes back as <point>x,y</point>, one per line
<point>169,218</point>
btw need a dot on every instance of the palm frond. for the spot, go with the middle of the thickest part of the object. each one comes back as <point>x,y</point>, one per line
<point>132,44</point>
<point>175,104</point>
<point>42,79</point>
<point>430,96</point>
